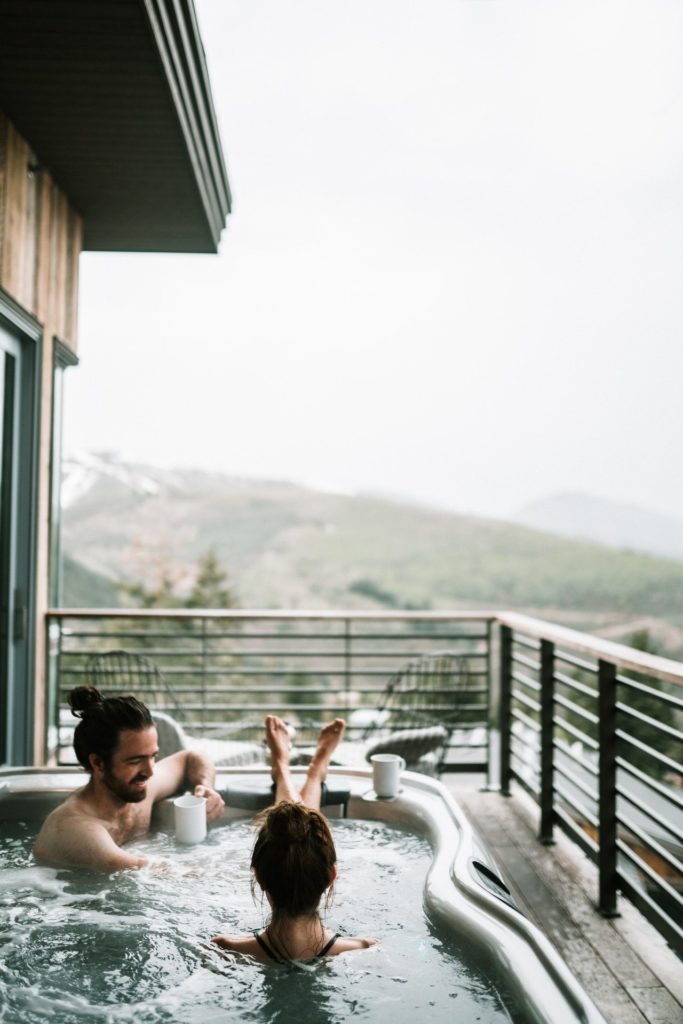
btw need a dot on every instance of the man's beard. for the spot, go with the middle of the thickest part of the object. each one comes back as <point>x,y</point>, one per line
<point>125,790</point>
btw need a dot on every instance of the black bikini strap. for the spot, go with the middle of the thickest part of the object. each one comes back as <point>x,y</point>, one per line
<point>266,948</point>
<point>325,950</point>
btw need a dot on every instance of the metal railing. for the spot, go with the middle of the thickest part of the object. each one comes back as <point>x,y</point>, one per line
<point>591,729</point>
<point>223,670</point>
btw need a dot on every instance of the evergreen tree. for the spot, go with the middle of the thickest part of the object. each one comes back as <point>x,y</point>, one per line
<point>210,588</point>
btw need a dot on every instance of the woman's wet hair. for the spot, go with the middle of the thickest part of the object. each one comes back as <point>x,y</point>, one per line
<point>101,721</point>
<point>293,858</point>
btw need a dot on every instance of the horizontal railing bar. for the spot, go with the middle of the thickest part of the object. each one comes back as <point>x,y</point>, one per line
<point>342,673</point>
<point>572,829</point>
<point>637,773</point>
<point>440,709</point>
<point>632,684</point>
<point>273,673</point>
<point>651,843</point>
<point>669,730</point>
<point>466,746</point>
<point>337,705</point>
<point>525,641</point>
<point>574,684</point>
<point>592,819</point>
<point>214,691</point>
<point>576,709</point>
<point>642,865</point>
<point>521,659</point>
<point>516,753</point>
<point>271,614</point>
<point>338,639</point>
<point>662,758</point>
<point>459,727</point>
<point>531,684</point>
<point>397,712</point>
<point>534,791</point>
<point>578,733</point>
<point>235,653</point>
<point>524,699</point>
<point>575,758</point>
<point>562,770</point>
<point>197,627</point>
<point>521,717</point>
<point>570,659</point>
<point>527,750</point>
<point>653,913</point>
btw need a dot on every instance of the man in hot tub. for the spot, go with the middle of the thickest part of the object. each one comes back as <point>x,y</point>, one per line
<point>116,742</point>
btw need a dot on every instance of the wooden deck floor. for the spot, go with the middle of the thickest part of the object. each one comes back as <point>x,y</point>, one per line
<point>623,963</point>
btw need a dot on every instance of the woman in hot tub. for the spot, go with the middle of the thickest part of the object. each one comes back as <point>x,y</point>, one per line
<point>294,860</point>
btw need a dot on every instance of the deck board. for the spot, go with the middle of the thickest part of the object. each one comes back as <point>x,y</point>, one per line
<point>624,965</point>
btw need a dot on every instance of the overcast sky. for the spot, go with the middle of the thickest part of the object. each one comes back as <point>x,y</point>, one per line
<point>454,267</point>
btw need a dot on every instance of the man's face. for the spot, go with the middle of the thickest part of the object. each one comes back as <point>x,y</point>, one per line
<point>131,764</point>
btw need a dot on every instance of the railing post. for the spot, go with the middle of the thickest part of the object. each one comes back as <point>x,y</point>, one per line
<point>505,707</point>
<point>607,789</point>
<point>347,666</point>
<point>53,674</point>
<point>203,676</point>
<point>547,680</point>
<point>492,737</point>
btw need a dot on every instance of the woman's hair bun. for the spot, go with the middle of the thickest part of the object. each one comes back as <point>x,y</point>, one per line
<point>289,822</point>
<point>82,698</point>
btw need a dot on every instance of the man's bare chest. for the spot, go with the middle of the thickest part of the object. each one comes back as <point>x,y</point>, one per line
<point>133,821</point>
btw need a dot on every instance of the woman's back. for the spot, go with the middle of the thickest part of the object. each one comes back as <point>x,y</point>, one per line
<point>268,948</point>
<point>294,863</point>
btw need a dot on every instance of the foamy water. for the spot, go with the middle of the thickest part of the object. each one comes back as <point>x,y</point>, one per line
<point>133,947</point>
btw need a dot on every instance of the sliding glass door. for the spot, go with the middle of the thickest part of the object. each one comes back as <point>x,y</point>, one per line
<point>16,547</point>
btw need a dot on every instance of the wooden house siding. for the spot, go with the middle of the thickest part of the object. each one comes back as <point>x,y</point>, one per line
<point>40,243</point>
<point>40,238</point>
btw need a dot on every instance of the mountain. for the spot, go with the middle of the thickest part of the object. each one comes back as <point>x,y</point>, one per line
<point>606,522</point>
<point>86,589</point>
<point>286,546</point>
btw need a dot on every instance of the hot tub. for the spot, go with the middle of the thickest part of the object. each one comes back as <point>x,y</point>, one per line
<point>468,908</point>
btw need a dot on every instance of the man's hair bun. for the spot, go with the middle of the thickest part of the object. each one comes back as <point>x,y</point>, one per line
<point>83,698</point>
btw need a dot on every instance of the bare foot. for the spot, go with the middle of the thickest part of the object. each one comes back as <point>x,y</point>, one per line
<point>328,741</point>
<point>277,738</point>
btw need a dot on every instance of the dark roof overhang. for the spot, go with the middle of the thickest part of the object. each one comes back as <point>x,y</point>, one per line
<point>113,96</point>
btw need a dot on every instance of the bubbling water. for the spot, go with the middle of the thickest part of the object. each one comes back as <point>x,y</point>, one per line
<point>79,947</point>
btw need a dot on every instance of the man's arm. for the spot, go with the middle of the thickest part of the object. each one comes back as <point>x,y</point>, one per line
<point>78,842</point>
<point>187,768</point>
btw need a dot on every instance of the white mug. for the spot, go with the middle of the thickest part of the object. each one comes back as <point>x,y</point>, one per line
<point>190,818</point>
<point>386,774</point>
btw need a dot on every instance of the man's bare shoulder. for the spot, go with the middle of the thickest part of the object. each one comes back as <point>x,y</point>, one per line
<point>74,835</point>
<point>72,808</point>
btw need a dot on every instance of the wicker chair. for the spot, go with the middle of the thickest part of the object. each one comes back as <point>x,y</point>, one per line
<point>120,670</point>
<point>424,702</point>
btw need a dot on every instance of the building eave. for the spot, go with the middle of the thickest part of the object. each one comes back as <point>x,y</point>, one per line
<point>114,98</point>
